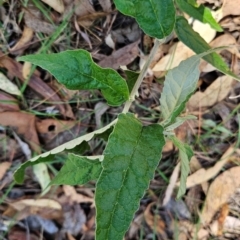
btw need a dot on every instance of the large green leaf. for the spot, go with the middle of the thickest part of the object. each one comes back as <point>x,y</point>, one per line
<point>185,153</point>
<point>78,170</point>
<point>200,13</point>
<point>194,41</point>
<point>76,70</point>
<point>49,156</point>
<point>155,17</point>
<point>130,159</point>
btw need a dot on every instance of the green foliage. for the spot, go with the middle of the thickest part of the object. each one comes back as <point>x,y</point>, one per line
<point>130,159</point>
<point>90,169</point>
<point>194,41</point>
<point>48,156</point>
<point>76,70</point>
<point>155,17</point>
<point>179,85</point>
<point>200,13</point>
<point>133,151</point>
<point>185,153</point>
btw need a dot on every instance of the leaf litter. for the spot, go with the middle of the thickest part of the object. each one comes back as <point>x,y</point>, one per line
<point>210,173</point>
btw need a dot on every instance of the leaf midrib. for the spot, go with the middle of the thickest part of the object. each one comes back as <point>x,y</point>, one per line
<point>127,170</point>
<point>175,105</point>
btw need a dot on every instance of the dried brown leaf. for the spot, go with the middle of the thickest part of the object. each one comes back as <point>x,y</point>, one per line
<point>121,57</point>
<point>71,193</point>
<point>220,191</point>
<point>177,53</point>
<point>24,125</point>
<point>50,128</point>
<point>215,93</point>
<point>229,7</point>
<point>202,175</point>
<point>57,5</point>
<point>34,21</point>
<point>4,166</point>
<point>23,42</point>
<point>8,103</point>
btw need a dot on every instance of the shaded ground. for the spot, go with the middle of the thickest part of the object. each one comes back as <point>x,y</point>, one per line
<point>38,114</point>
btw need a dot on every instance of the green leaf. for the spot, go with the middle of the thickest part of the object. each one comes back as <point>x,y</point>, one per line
<point>130,159</point>
<point>48,156</point>
<point>155,17</point>
<point>200,13</point>
<point>194,41</point>
<point>131,79</point>
<point>78,170</point>
<point>180,83</point>
<point>186,154</point>
<point>76,70</point>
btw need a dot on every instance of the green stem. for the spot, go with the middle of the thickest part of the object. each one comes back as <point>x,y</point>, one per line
<point>142,74</point>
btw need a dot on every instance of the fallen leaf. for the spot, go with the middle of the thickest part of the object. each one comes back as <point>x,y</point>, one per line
<point>71,193</point>
<point>57,5</point>
<point>26,69</point>
<point>229,7</point>
<point>4,166</point>
<point>204,30</point>
<point>202,175</point>
<point>50,128</point>
<point>215,93</point>
<point>7,86</point>
<point>23,42</point>
<point>34,20</point>
<point>226,40</point>
<point>121,57</point>
<point>221,189</point>
<point>177,53</point>
<point>41,203</point>
<point>223,40</point>
<point>23,124</point>
<point>8,103</point>
<point>15,70</point>
<point>46,208</point>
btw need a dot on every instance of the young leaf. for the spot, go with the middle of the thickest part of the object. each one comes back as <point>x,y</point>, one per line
<point>76,70</point>
<point>194,41</point>
<point>185,153</point>
<point>48,156</point>
<point>78,170</point>
<point>179,85</point>
<point>155,17</point>
<point>130,158</point>
<point>200,13</point>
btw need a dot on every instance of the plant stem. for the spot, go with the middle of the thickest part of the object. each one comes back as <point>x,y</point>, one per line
<point>142,74</point>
